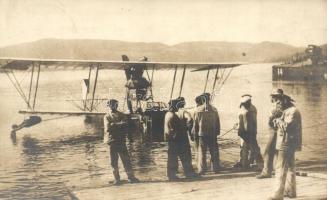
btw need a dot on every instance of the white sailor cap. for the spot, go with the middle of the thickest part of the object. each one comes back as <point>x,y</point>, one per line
<point>245,98</point>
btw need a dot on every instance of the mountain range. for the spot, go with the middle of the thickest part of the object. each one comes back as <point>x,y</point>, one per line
<point>201,51</point>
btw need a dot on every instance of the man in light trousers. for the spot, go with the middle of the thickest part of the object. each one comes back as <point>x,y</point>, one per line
<point>270,149</point>
<point>289,140</point>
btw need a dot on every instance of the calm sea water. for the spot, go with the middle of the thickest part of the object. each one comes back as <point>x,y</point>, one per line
<point>61,154</point>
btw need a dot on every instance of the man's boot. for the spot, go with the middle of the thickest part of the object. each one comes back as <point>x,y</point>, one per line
<point>116,182</point>
<point>262,176</point>
<point>132,178</point>
<point>117,178</point>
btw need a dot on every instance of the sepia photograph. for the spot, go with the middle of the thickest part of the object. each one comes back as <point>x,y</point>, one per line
<point>156,100</point>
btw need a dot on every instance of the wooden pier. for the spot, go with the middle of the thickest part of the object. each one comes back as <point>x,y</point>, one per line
<point>226,185</point>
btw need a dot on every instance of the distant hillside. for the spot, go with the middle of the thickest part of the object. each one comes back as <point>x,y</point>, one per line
<point>188,51</point>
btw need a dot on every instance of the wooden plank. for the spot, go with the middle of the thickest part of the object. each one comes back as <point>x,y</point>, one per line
<point>224,186</point>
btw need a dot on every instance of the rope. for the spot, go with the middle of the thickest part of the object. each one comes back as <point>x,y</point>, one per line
<point>220,136</point>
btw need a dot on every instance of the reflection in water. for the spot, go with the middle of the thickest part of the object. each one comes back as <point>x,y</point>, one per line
<point>312,92</point>
<point>13,138</point>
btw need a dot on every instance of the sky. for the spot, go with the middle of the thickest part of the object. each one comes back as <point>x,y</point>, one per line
<point>294,22</point>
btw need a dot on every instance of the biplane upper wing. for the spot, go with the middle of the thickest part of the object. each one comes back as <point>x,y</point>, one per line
<point>25,63</point>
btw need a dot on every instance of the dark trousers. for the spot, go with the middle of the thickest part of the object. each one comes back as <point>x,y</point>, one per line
<point>269,154</point>
<point>181,150</point>
<point>206,142</point>
<point>120,150</point>
<point>250,147</point>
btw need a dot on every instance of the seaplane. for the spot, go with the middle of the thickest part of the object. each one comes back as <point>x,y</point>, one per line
<point>145,113</point>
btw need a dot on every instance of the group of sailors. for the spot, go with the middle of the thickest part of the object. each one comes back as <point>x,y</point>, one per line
<point>203,128</point>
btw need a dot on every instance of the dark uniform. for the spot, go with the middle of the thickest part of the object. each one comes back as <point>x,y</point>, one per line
<point>186,123</point>
<point>178,143</point>
<point>206,129</point>
<point>116,129</point>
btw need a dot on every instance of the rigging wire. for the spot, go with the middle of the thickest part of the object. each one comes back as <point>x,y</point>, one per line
<point>24,75</point>
<point>17,83</point>
<point>16,87</point>
<point>223,82</point>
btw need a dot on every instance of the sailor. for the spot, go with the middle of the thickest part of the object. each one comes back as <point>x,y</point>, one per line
<point>289,140</point>
<point>247,130</point>
<point>177,143</point>
<point>206,128</point>
<point>135,80</point>
<point>115,131</point>
<point>269,152</point>
<point>186,124</point>
<point>194,137</point>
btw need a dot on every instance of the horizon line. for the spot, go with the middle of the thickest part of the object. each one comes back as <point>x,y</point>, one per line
<point>157,42</point>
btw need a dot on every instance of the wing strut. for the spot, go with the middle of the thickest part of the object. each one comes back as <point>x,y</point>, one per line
<point>95,85</point>
<point>182,81</point>
<point>150,81</point>
<point>31,85</point>
<point>172,87</point>
<point>87,87</point>
<point>37,84</point>
<point>205,86</point>
<point>215,81</point>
